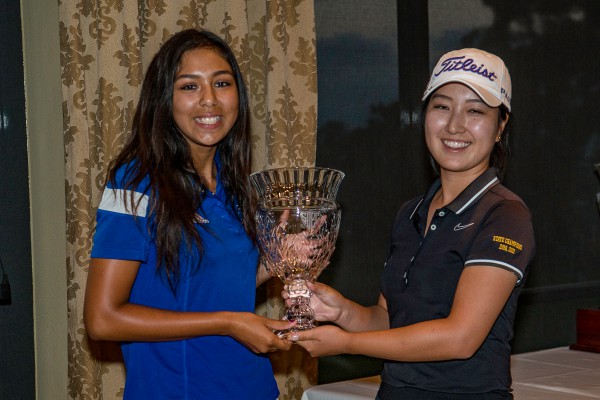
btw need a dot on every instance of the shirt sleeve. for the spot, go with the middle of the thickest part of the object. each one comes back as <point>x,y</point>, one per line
<point>121,233</point>
<point>505,239</point>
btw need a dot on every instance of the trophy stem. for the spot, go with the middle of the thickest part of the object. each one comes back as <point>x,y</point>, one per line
<point>300,310</point>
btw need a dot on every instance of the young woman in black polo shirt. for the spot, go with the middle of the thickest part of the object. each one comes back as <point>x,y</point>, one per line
<point>458,254</point>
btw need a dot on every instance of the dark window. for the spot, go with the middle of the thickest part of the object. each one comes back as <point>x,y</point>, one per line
<point>374,59</point>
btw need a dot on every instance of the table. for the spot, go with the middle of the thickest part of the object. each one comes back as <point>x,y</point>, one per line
<point>553,374</point>
<point>558,373</point>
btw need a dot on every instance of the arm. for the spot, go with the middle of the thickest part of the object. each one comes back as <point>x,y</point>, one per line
<point>480,296</point>
<point>330,305</point>
<point>108,315</point>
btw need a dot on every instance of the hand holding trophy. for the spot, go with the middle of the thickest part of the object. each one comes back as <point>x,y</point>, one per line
<point>298,221</point>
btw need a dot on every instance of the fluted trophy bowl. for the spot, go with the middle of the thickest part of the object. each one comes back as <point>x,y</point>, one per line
<point>298,221</point>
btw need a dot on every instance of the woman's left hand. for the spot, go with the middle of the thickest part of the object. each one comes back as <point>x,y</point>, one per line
<point>321,341</point>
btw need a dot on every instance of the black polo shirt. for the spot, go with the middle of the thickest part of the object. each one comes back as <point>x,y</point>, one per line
<point>485,225</point>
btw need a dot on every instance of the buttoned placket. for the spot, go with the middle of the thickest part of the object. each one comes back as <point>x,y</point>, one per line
<point>437,217</point>
<point>439,214</point>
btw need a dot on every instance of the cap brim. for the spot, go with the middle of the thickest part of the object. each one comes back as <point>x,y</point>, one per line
<point>486,96</point>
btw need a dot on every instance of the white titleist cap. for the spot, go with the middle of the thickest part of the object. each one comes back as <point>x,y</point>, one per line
<point>483,72</point>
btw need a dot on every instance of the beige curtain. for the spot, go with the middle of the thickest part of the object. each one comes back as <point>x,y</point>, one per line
<point>106,46</point>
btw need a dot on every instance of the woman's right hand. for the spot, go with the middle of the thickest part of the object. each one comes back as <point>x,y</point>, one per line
<point>326,302</point>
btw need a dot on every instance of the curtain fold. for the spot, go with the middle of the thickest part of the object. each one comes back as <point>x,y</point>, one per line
<point>105,48</point>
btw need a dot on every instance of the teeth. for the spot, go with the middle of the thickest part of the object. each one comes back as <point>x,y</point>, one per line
<point>208,120</point>
<point>455,144</point>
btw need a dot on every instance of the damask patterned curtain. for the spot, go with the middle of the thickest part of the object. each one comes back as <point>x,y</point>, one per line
<point>106,46</point>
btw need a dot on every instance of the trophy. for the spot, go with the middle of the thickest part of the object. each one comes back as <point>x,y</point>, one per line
<point>298,221</point>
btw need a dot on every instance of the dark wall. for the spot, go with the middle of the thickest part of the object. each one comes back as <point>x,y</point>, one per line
<point>17,380</point>
<point>551,49</point>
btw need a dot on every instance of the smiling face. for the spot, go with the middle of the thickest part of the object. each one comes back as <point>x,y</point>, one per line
<point>461,130</point>
<point>205,99</point>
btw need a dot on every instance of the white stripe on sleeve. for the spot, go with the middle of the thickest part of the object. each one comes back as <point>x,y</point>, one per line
<point>501,264</point>
<point>114,201</point>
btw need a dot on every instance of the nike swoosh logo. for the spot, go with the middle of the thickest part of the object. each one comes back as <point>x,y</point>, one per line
<point>198,219</point>
<point>460,227</point>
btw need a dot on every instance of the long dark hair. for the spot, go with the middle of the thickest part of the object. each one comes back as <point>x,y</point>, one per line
<point>501,151</point>
<point>156,149</point>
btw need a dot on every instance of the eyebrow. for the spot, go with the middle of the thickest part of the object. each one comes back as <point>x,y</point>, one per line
<point>474,100</point>
<point>214,74</point>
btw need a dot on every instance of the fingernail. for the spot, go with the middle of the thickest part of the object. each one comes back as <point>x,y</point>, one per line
<point>294,338</point>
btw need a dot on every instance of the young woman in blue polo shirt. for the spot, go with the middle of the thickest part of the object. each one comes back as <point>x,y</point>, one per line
<point>458,254</point>
<point>173,271</point>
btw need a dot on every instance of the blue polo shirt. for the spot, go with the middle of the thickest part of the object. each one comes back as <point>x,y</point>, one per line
<point>206,367</point>
<point>485,225</point>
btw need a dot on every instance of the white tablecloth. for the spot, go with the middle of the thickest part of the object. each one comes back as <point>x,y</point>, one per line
<point>554,374</point>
